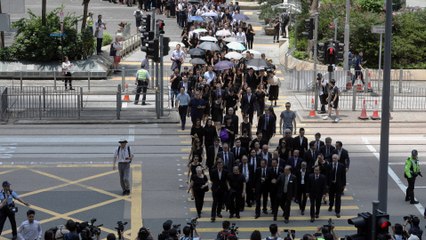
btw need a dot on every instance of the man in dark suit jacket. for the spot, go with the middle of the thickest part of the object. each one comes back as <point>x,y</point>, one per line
<point>218,177</point>
<point>295,161</point>
<point>318,142</point>
<point>317,183</point>
<point>248,172</point>
<point>218,92</point>
<point>265,154</point>
<point>247,104</point>
<point>302,187</point>
<point>227,156</point>
<point>300,142</point>
<point>337,183</point>
<point>238,151</point>
<point>254,160</point>
<point>328,149</point>
<point>343,155</point>
<point>266,125</point>
<point>274,173</point>
<point>212,152</point>
<point>286,191</point>
<point>310,156</point>
<point>262,187</point>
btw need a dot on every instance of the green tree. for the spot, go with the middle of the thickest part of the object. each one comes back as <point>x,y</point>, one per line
<point>85,12</point>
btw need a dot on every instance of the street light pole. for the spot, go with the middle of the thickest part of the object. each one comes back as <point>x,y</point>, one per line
<point>384,131</point>
<point>346,37</point>
<point>315,42</point>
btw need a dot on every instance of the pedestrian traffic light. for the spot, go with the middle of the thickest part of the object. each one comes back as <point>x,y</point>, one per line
<point>309,28</point>
<point>152,50</point>
<point>160,24</point>
<point>321,47</point>
<point>146,36</point>
<point>166,47</point>
<point>363,225</point>
<point>146,23</point>
<point>330,54</point>
<point>340,51</point>
<point>382,224</point>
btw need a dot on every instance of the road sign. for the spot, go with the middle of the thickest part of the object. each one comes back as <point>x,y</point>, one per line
<point>378,29</point>
<point>57,35</point>
<point>4,22</point>
<point>13,6</point>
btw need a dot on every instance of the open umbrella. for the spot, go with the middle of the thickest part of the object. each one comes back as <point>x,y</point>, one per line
<point>208,39</point>
<point>236,46</point>
<point>223,33</point>
<point>209,14</point>
<point>197,52</point>
<point>223,65</point>
<point>194,1</point>
<point>173,44</point>
<point>240,17</point>
<point>234,55</point>
<point>256,54</point>
<point>230,39</point>
<point>196,19</point>
<point>257,64</point>
<point>200,30</point>
<point>209,46</point>
<point>197,61</point>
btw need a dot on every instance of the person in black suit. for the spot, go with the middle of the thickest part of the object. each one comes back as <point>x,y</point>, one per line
<point>274,173</point>
<point>325,167</point>
<point>248,172</point>
<point>343,155</point>
<point>237,192</point>
<point>300,142</point>
<point>286,191</point>
<point>265,154</point>
<point>310,156</point>
<point>238,151</point>
<point>247,104</point>
<point>254,160</point>
<point>262,187</point>
<point>336,183</point>
<point>295,161</point>
<point>227,157</point>
<point>317,183</point>
<point>234,120</point>
<point>302,187</point>
<point>212,152</point>
<point>266,125</point>
<point>327,149</point>
<point>218,177</point>
<point>318,142</point>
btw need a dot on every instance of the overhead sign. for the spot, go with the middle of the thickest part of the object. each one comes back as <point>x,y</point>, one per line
<point>378,29</point>
<point>13,6</point>
<point>4,22</point>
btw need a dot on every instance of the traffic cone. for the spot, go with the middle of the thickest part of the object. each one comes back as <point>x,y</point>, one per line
<point>312,113</point>
<point>363,115</point>
<point>349,85</point>
<point>375,115</point>
<point>126,97</point>
<point>359,87</point>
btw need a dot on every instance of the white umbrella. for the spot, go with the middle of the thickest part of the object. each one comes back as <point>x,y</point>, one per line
<point>209,14</point>
<point>236,46</point>
<point>208,39</point>
<point>200,30</point>
<point>209,46</point>
<point>254,52</point>
<point>230,39</point>
<point>223,33</point>
<point>234,55</point>
<point>173,44</point>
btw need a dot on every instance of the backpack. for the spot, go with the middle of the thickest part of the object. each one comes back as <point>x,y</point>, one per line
<point>224,135</point>
<point>128,149</point>
<point>112,51</point>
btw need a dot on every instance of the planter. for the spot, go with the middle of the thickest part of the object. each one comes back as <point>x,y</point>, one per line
<point>267,20</point>
<point>269,31</point>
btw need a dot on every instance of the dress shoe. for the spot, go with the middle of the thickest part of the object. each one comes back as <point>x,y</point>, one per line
<point>316,216</point>
<point>312,219</point>
<point>231,216</point>
<point>249,205</point>
<point>212,220</point>
<point>414,202</point>
<point>265,212</point>
<point>219,215</point>
<point>338,215</point>
<point>330,209</point>
<point>286,221</point>
<point>274,219</point>
<point>124,192</point>
<point>237,216</point>
<point>72,88</point>
<point>407,199</point>
<point>136,103</point>
<point>256,216</point>
<point>143,103</point>
<point>199,215</point>
<point>302,212</point>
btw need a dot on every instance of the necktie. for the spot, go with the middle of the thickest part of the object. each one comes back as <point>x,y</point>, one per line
<point>226,159</point>
<point>285,184</point>
<point>295,162</point>
<point>327,151</point>
<point>318,145</point>
<point>265,127</point>
<point>238,151</point>
<point>264,172</point>
<point>220,174</point>
<point>245,170</point>
<point>312,152</point>
<point>335,171</point>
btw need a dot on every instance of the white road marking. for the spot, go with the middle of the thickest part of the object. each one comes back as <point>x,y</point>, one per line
<point>391,173</point>
<point>132,133</point>
<point>7,150</point>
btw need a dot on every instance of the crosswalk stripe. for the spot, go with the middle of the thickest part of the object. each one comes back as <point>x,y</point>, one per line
<point>323,208</point>
<point>295,218</point>
<point>266,229</point>
<point>345,198</point>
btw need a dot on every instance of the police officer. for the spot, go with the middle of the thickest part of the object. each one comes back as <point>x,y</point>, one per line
<point>142,81</point>
<point>8,208</point>
<point>411,171</point>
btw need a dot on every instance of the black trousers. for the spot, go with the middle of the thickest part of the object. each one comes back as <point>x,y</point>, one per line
<point>250,43</point>
<point>218,200</point>
<point>335,195</point>
<point>5,213</point>
<point>285,203</point>
<point>261,193</point>
<point>276,35</point>
<point>409,193</point>
<point>301,196</point>
<point>68,80</point>
<point>182,113</point>
<point>315,205</point>
<point>142,86</point>
<point>235,200</point>
<point>199,200</point>
<point>99,45</point>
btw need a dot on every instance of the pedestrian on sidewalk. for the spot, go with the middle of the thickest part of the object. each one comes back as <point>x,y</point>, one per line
<point>276,25</point>
<point>124,156</point>
<point>100,26</point>
<point>66,71</point>
<point>333,100</point>
<point>142,82</point>
<point>323,91</point>
<point>182,101</point>
<point>115,52</point>
<point>411,171</point>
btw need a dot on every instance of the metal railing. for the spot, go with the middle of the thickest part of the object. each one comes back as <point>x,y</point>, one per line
<point>3,103</point>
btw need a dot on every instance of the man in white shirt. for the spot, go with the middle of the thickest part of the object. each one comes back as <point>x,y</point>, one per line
<point>178,57</point>
<point>210,75</point>
<point>124,157</point>
<point>30,229</point>
<point>99,33</point>
<point>241,37</point>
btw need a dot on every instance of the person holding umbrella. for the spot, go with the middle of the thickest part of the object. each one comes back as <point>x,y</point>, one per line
<point>177,58</point>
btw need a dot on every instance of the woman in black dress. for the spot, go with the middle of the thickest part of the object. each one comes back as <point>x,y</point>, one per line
<point>260,96</point>
<point>199,185</point>
<point>274,87</point>
<point>210,133</point>
<point>246,126</point>
<point>197,132</point>
<point>207,98</point>
<point>250,36</point>
<point>283,151</point>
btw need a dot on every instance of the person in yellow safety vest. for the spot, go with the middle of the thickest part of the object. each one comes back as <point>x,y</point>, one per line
<point>89,22</point>
<point>142,81</point>
<point>411,171</point>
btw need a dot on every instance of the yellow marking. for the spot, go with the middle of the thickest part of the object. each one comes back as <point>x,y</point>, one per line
<point>263,45</point>
<point>266,229</point>
<point>185,150</point>
<point>183,131</point>
<point>294,218</point>
<point>7,171</point>
<point>350,207</point>
<point>210,199</point>
<point>257,28</point>
<point>136,196</point>
<point>130,63</point>
<point>248,13</point>
<point>185,142</point>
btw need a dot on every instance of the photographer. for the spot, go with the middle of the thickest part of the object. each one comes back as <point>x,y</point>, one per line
<point>327,232</point>
<point>8,209</point>
<point>72,228</point>
<point>167,225</point>
<point>411,171</point>
<point>187,233</point>
<point>226,231</point>
<point>144,234</point>
<point>414,228</point>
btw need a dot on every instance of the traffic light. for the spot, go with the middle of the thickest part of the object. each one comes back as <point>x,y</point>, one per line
<point>340,51</point>
<point>382,224</point>
<point>146,23</point>
<point>145,37</point>
<point>321,47</point>
<point>160,24</point>
<point>330,54</point>
<point>363,226</point>
<point>309,28</point>
<point>166,47</point>
<point>152,50</point>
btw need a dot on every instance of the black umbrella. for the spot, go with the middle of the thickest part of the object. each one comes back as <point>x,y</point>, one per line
<point>194,1</point>
<point>257,64</point>
<point>197,52</point>
<point>197,61</point>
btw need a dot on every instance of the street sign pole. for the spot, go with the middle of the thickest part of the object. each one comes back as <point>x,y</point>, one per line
<point>346,41</point>
<point>161,76</point>
<point>314,81</point>
<point>380,29</point>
